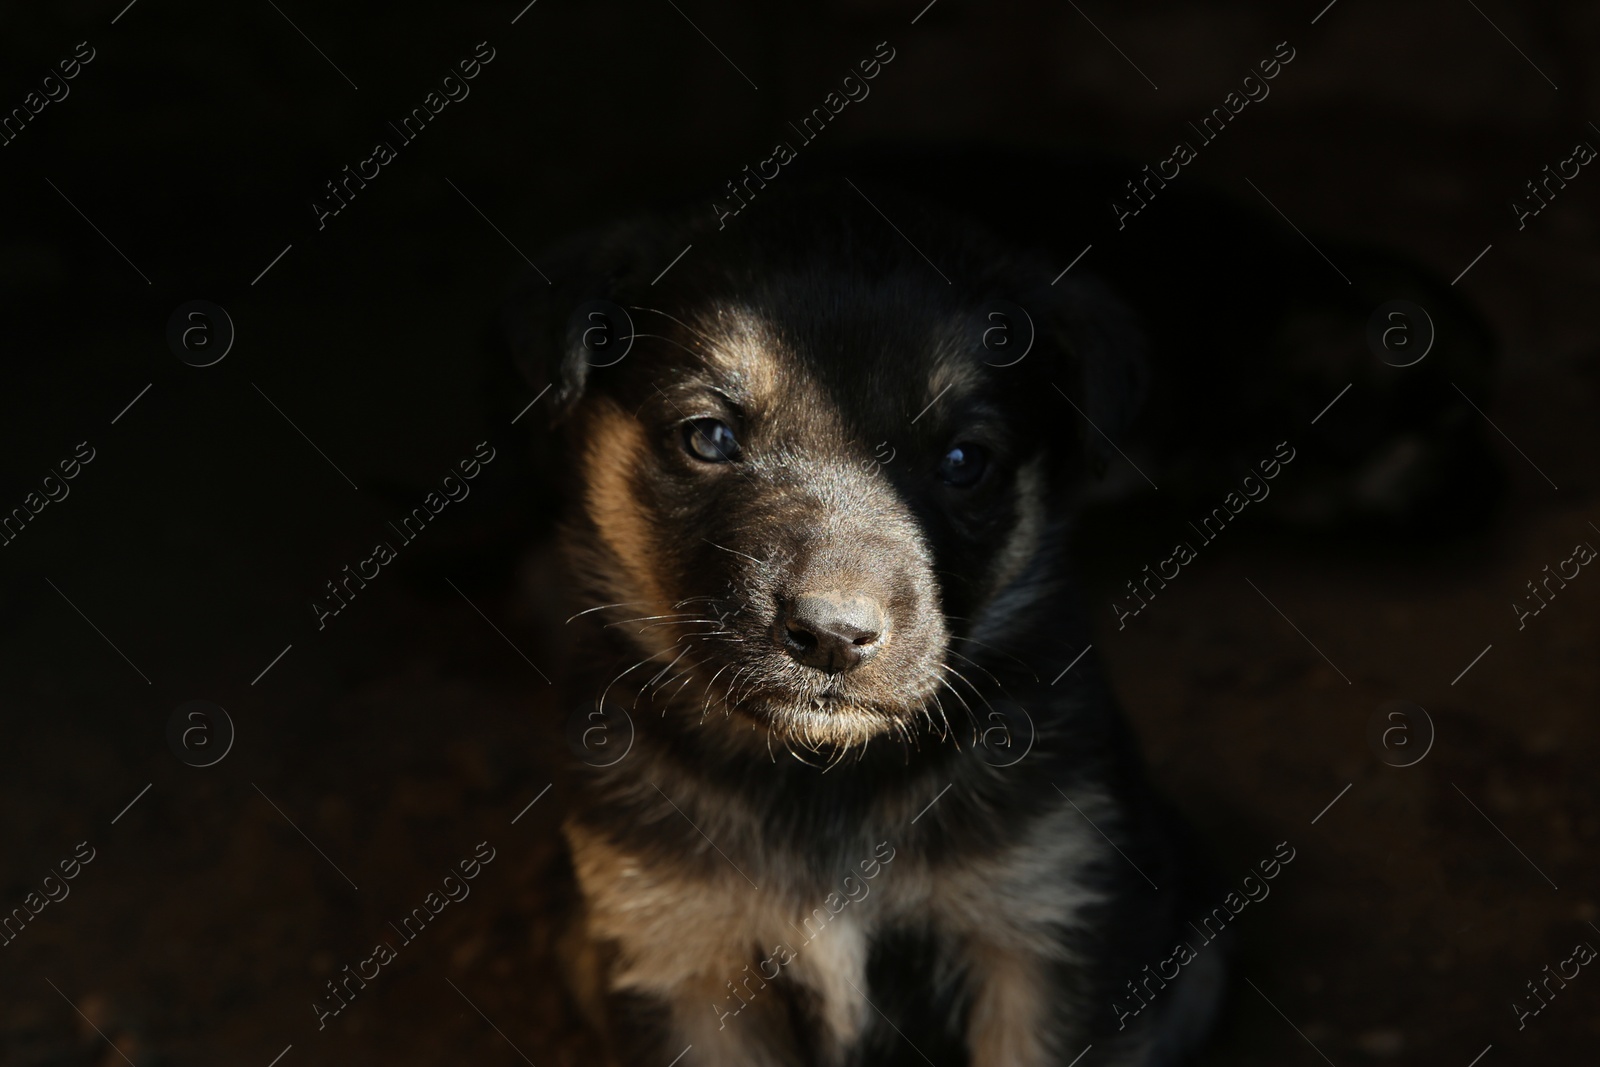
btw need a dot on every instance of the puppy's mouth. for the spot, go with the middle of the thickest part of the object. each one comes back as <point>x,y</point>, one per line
<point>832,672</point>
<point>816,647</point>
<point>821,722</point>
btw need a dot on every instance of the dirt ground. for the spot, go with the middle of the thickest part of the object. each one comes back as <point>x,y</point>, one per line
<point>377,753</point>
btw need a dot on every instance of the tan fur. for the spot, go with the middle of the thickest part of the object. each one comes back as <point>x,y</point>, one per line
<point>834,966</point>
<point>950,376</point>
<point>688,899</point>
<point>1008,597</point>
<point>1011,898</point>
<point>744,349</point>
<point>670,929</point>
<point>1006,1027</point>
<point>1007,911</point>
<point>584,971</point>
<point>682,939</point>
<point>616,446</point>
<point>683,936</point>
<point>1024,540</point>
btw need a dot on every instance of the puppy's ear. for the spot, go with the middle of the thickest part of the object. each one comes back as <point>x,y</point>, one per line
<point>568,320</point>
<point>1093,365</point>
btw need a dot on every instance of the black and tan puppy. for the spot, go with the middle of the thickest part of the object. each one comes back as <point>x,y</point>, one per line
<point>854,811</point>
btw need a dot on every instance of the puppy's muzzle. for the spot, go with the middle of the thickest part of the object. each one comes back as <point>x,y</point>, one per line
<point>832,631</point>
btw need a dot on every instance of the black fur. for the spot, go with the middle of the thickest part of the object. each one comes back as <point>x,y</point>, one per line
<point>854,325</point>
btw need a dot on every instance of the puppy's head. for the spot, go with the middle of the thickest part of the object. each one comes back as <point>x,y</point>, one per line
<point>817,465</point>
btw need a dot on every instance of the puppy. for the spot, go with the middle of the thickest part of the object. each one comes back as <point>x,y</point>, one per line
<point>855,807</point>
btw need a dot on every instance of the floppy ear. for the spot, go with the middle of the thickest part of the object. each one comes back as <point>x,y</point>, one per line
<point>562,323</point>
<point>1094,362</point>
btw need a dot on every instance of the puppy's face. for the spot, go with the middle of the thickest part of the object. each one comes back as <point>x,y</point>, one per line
<point>806,486</point>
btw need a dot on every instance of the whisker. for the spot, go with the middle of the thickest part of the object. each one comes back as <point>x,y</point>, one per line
<point>647,618</point>
<point>735,551</point>
<point>790,749</point>
<point>678,622</point>
<point>713,681</point>
<point>670,341</point>
<point>688,676</point>
<point>967,707</point>
<point>727,637</point>
<point>978,666</point>
<point>603,607</point>
<point>680,674</point>
<point>677,320</point>
<point>838,757</point>
<point>605,692</point>
<point>734,696</point>
<point>730,697</point>
<point>975,692</point>
<point>957,576</point>
<point>993,648</point>
<point>939,704</point>
<point>646,687</point>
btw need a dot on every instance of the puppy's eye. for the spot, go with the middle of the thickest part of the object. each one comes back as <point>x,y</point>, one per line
<point>710,440</point>
<point>963,465</point>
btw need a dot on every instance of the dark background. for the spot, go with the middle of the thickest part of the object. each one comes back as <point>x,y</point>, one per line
<point>409,730</point>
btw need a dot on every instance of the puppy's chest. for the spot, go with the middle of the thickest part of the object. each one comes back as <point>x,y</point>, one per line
<point>737,904</point>
<point>850,937</point>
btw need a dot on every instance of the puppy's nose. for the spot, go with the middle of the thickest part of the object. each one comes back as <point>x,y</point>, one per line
<point>832,631</point>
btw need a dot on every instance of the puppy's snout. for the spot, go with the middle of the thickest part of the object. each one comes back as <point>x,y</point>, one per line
<point>832,631</point>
